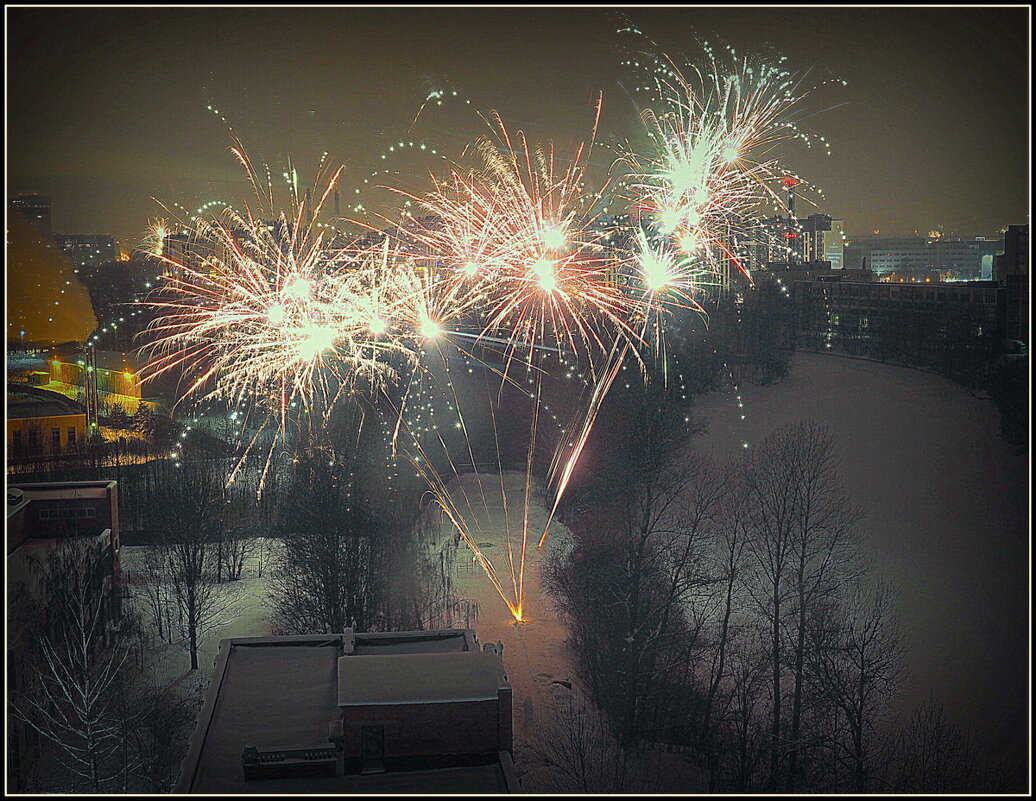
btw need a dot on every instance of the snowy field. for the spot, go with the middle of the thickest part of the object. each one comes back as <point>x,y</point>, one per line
<point>246,616</point>
<point>947,520</point>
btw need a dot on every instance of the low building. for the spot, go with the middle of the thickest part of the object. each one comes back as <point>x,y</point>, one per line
<point>55,510</point>
<point>41,422</point>
<point>952,328</point>
<point>956,259</point>
<point>419,712</point>
<point>117,377</point>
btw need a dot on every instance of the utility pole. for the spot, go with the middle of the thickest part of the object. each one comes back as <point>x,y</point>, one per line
<point>93,429</point>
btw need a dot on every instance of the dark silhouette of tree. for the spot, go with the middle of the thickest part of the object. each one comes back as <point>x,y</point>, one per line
<point>933,755</point>
<point>118,418</point>
<point>75,673</point>
<point>352,544</point>
<point>145,421</point>
<point>187,521</point>
<point>328,576</point>
<point>856,664</point>
<point>800,548</point>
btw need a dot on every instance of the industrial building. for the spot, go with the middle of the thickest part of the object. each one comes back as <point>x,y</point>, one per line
<point>39,421</point>
<point>920,257</point>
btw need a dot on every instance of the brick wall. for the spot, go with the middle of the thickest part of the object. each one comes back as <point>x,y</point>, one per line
<point>415,730</point>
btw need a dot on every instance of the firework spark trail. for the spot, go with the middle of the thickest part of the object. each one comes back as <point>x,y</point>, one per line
<point>600,391</point>
<point>514,255</point>
<point>524,236</point>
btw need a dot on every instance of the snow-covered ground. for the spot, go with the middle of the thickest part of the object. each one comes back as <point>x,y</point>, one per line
<point>536,656</point>
<point>247,616</point>
<point>947,520</point>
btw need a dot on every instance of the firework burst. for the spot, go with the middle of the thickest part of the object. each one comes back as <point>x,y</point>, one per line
<point>270,310</point>
<point>710,165</point>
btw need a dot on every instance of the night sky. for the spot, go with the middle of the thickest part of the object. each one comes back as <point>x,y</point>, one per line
<point>107,108</point>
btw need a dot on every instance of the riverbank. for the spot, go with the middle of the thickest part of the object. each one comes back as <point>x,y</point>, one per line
<point>947,521</point>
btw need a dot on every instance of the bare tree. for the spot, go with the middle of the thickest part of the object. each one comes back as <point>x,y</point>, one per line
<point>856,664</point>
<point>154,589</point>
<point>155,728</point>
<point>77,670</point>
<point>576,751</point>
<point>771,488</point>
<point>728,565</point>
<point>234,549</point>
<point>354,558</point>
<point>800,547</point>
<point>188,510</point>
<point>326,577</point>
<point>933,755</point>
<point>823,554</point>
<point>746,744</point>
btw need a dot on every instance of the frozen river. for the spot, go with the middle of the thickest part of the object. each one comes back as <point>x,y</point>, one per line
<point>947,520</point>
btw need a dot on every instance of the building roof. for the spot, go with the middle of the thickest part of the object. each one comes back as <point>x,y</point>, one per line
<point>494,778</point>
<point>428,678</point>
<point>21,536</point>
<point>26,402</point>
<point>64,490</point>
<point>410,642</point>
<point>267,696</point>
<point>284,691</point>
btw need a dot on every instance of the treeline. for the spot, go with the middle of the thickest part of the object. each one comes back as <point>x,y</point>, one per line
<point>725,611</point>
<point>755,327</point>
<point>340,535</point>
<point>356,529</point>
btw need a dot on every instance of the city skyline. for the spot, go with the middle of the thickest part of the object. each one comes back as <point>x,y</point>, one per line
<point>121,86</point>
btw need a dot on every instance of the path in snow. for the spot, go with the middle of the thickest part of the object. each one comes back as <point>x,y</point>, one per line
<point>947,520</point>
<point>535,651</point>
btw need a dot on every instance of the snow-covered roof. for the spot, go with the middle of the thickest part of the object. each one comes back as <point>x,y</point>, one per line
<point>281,691</point>
<point>269,696</point>
<point>410,642</point>
<point>427,678</point>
